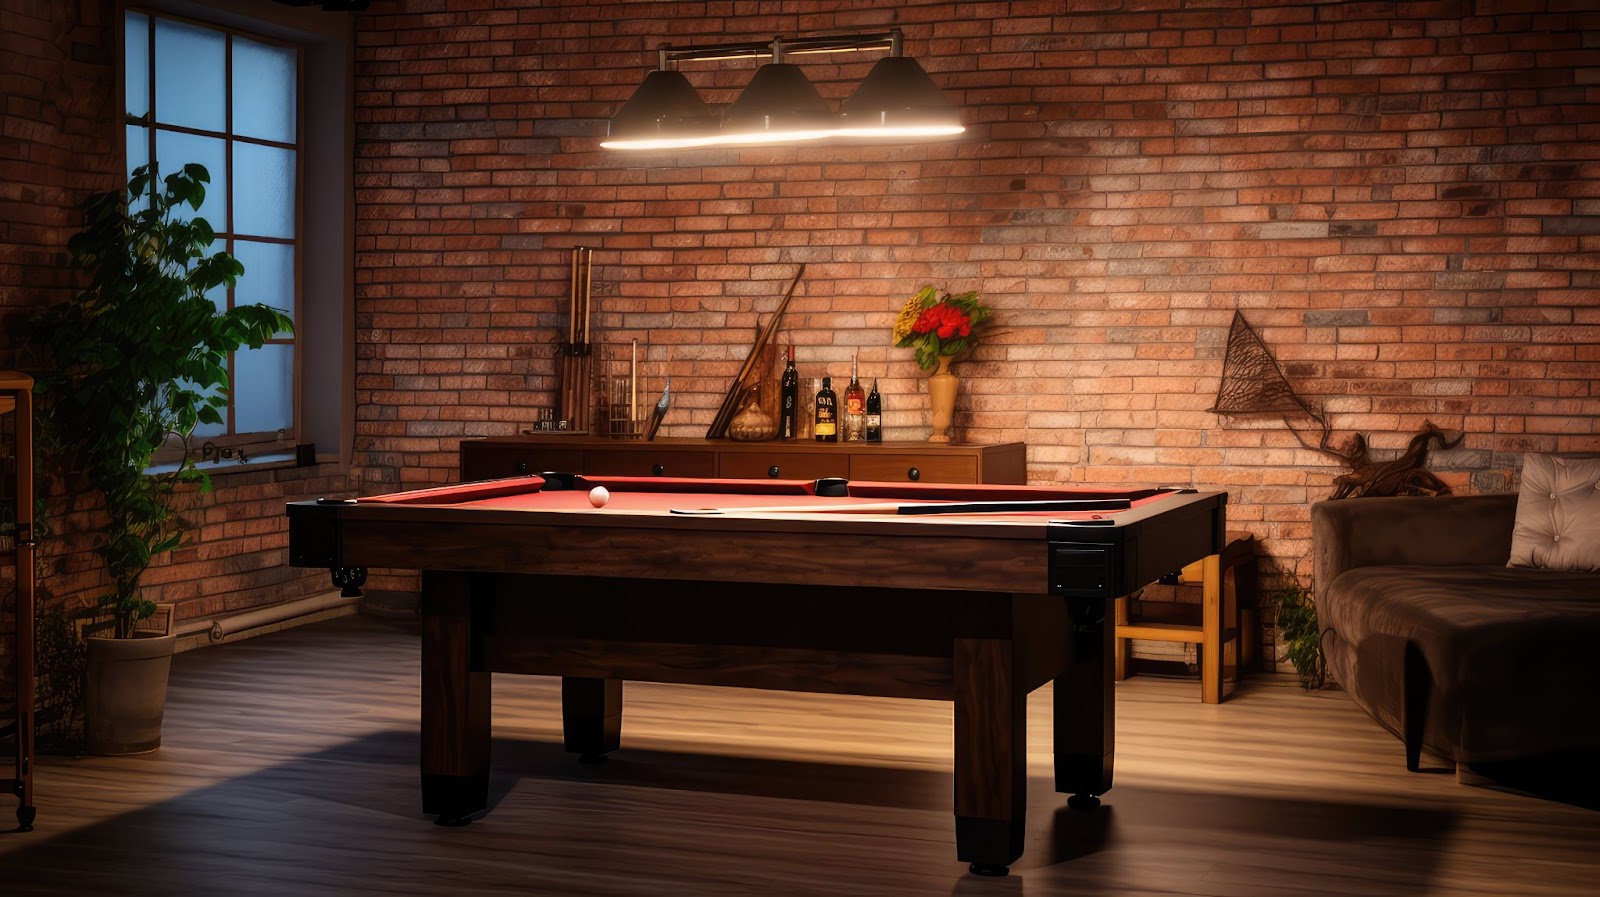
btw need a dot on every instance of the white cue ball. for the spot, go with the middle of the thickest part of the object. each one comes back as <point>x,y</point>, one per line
<point>598,496</point>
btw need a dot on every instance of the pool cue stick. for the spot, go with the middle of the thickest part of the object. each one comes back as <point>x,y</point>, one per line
<point>584,359</point>
<point>572,335</point>
<point>572,298</point>
<point>927,508</point>
<point>588,290</point>
<point>633,387</point>
<point>883,507</point>
<point>719,424</point>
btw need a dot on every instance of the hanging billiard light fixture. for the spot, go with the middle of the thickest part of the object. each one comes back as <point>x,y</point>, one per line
<point>665,112</point>
<point>778,106</point>
<point>897,101</point>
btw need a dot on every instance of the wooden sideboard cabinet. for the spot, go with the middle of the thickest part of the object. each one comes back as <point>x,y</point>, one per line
<point>492,457</point>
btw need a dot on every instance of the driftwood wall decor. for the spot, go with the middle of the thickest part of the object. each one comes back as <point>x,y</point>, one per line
<point>1404,475</point>
<point>1254,384</point>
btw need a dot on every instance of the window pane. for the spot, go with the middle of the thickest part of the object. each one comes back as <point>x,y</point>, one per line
<point>268,275</point>
<point>137,64</point>
<point>138,154</point>
<point>205,429</point>
<point>175,150</point>
<point>263,90</point>
<point>190,76</point>
<point>263,193</point>
<point>262,389</point>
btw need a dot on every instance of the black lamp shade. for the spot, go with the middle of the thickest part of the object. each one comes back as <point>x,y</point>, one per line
<point>898,94</point>
<point>779,99</point>
<point>666,105</point>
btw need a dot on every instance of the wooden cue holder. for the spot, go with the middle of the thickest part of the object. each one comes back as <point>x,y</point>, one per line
<point>576,389</point>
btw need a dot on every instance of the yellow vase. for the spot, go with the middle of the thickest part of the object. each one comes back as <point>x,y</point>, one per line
<point>942,387</point>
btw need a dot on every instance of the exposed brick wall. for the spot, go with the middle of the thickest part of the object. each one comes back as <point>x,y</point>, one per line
<point>55,142</point>
<point>1404,199</point>
<point>58,146</point>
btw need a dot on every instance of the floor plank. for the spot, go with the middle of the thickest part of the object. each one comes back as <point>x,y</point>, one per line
<point>289,766</point>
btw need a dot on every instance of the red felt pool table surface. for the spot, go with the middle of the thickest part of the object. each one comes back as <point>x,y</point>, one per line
<point>660,495</point>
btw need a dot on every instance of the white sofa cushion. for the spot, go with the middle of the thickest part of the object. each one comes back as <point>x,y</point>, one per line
<point>1558,514</point>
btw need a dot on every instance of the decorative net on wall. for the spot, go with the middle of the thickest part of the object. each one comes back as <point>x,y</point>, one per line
<point>1252,382</point>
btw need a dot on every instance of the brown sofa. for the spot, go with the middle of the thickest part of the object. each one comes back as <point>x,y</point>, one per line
<point>1433,635</point>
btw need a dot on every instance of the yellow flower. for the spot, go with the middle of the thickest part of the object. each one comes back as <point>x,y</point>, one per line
<point>910,312</point>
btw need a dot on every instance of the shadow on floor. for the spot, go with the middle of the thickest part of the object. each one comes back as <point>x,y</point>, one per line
<point>347,821</point>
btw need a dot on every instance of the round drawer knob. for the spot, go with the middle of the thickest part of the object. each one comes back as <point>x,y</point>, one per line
<point>913,474</point>
<point>658,469</point>
<point>522,467</point>
<point>773,471</point>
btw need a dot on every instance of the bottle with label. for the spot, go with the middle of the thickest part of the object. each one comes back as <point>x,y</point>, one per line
<point>790,391</point>
<point>827,428</point>
<point>874,414</point>
<point>855,408</point>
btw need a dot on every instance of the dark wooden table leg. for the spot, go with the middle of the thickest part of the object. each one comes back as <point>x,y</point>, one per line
<point>1085,707</point>
<point>455,702</point>
<point>591,716</point>
<point>991,763</point>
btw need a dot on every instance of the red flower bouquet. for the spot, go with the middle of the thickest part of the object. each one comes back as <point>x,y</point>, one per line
<point>936,324</point>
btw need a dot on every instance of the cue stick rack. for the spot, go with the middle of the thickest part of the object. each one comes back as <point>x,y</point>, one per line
<point>575,393</point>
<point>16,402</point>
<point>625,389</point>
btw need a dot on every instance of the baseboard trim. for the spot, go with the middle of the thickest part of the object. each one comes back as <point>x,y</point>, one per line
<point>262,620</point>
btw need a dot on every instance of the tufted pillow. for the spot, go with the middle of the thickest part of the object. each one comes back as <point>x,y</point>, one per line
<point>1558,514</point>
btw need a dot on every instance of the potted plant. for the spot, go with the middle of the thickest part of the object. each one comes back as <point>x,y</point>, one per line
<point>1295,612</point>
<point>941,327</point>
<point>137,360</point>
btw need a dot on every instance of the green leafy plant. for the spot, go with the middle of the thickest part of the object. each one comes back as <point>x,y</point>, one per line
<point>1296,612</point>
<point>139,360</point>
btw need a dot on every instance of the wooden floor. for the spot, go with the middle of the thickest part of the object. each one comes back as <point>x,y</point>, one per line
<point>289,768</point>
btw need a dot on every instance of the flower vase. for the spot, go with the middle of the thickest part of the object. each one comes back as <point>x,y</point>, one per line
<point>942,388</point>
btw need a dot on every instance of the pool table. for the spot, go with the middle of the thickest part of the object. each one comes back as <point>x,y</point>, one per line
<point>975,594</point>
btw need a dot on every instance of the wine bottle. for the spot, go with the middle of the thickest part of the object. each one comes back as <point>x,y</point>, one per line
<point>874,414</point>
<point>827,428</point>
<point>855,408</point>
<point>790,390</point>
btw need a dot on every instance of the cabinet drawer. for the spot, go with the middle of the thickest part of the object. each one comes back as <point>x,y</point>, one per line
<point>782,466</point>
<point>494,462</point>
<point>913,468</point>
<point>651,464</point>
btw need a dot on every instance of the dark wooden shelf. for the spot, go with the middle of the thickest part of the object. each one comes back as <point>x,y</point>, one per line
<point>491,457</point>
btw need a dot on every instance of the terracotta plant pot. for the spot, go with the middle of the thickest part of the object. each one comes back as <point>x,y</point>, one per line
<point>127,693</point>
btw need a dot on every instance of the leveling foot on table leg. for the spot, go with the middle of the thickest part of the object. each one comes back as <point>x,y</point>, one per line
<point>1082,802</point>
<point>993,870</point>
<point>25,817</point>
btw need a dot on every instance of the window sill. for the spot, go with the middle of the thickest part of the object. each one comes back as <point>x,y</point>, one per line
<point>225,466</point>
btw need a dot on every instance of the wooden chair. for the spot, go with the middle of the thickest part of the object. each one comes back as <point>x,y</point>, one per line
<point>1225,635</point>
